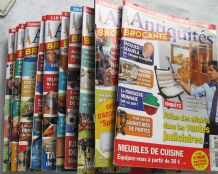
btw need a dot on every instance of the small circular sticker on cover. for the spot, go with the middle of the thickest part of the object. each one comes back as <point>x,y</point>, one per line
<point>199,160</point>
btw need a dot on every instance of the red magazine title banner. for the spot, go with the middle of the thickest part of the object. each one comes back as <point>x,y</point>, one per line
<point>131,153</point>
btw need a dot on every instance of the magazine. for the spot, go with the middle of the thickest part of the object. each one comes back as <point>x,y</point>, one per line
<point>8,96</point>
<point>50,91</point>
<point>166,73</point>
<point>16,87</point>
<point>73,86</point>
<point>62,87</point>
<point>16,94</point>
<point>107,35</point>
<point>36,144</point>
<point>86,145</point>
<point>13,135</point>
<point>31,42</point>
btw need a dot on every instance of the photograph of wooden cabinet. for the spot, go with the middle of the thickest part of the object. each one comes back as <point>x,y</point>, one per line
<point>200,54</point>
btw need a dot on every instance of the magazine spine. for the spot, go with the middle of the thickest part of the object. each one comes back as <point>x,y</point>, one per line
<point>36,143</point>
<point>73,82</point>
<point>8,97</point>
<point>62,87</point>
<point>86,140</point>
<point>31,42</point>
<point>50,91</point>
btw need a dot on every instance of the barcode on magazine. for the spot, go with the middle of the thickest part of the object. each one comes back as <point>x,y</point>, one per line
<point>214,142</point>
<point>216,158</point>
<point>214,152</point>
<point>216,145</point>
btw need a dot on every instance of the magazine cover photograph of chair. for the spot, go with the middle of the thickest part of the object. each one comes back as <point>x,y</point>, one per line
<point>168,88</point>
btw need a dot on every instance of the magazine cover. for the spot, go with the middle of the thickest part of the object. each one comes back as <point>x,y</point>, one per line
<point>16,87</point>
<point>36,144</point>
<point>14,144</point>
<point>73,86</point>
<point>16,94</point>
<point>31,42</point>
<point>50,91</point>
<point>107,34</point>
<point>8,96</point>
<point>62,87</point>
<point>86,140</point>
<point>167,92</point>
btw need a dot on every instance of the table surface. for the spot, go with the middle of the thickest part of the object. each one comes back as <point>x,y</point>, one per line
<point>30,10</point>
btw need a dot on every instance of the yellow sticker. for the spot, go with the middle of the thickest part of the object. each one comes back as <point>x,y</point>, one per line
<point>199,160</point>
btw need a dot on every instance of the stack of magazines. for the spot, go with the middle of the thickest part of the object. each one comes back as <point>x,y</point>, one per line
<point>111,88</point>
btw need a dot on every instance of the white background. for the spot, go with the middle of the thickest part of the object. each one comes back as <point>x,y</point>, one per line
<point>30,10</point>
